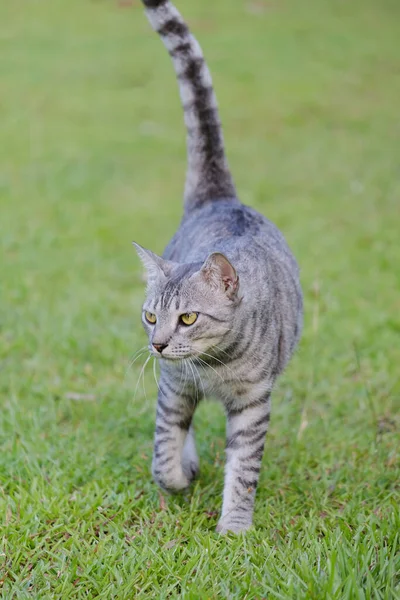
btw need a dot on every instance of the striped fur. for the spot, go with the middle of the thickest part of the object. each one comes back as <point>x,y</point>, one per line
<point>231,267</point>
<point>208,175</point>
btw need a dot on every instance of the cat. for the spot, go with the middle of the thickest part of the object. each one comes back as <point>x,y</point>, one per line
<point>223,307</point>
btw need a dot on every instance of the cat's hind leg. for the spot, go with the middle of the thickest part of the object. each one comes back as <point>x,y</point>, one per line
<point>190,459</point>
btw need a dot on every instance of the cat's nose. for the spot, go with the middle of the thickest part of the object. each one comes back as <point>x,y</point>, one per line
<point>160,347</point>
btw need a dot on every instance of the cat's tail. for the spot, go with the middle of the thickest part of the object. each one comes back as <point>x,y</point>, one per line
<point>208,176</point>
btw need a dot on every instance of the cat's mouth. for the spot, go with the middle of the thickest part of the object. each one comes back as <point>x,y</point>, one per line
<point>196,357</point>
<point>171,357</point>
<point>176,356</point>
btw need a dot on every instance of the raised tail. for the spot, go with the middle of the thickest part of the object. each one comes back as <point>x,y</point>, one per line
<point>208,176</point>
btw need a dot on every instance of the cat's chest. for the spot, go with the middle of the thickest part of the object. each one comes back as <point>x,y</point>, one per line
<point>221,382</point>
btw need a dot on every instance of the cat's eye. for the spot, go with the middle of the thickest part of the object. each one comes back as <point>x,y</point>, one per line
<point>150,317</point>
<point>189,318</point>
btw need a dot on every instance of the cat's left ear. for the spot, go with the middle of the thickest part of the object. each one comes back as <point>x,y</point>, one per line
<point>156,267</point>
<point>220,274</point>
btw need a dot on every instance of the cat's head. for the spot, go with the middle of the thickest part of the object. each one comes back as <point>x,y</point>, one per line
<point>189,308</point>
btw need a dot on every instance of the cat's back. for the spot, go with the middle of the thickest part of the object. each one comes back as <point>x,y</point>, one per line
<point>228,226</point>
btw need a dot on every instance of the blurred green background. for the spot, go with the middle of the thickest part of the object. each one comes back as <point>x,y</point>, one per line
<point>92,156</point>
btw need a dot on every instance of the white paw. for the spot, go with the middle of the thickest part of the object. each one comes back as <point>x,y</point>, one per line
<point>234,525</point>
<point>171,481</point>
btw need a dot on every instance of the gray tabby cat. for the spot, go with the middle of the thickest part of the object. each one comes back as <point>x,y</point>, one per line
<point>223,311</point>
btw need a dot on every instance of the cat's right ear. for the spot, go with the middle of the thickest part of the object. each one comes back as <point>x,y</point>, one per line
<point>155,266</point>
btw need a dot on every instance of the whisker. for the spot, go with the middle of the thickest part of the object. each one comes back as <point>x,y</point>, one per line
<point>201,381</point>
<point>131,365</point>
<point>186,374</point>
<point>143,381</point>
<point>230,329</point>
<point>155,374</point>
<point>210,367</point>
<point>181,377</point>
<point>224,365</point>
<point>140,374</point>
<point>221,350</point>
<point>136,355</point>
<point>137,351</point>
<point>194,378</point>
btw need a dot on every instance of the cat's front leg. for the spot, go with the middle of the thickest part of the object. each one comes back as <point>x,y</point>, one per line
<point>175,461</point>
<point>246,430</point>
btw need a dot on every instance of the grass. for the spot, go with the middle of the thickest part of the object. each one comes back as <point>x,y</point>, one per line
<point>92,155</point>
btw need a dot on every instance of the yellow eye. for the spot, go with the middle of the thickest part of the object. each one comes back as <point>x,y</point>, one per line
<point>150,318</point>
<point>189,318</point>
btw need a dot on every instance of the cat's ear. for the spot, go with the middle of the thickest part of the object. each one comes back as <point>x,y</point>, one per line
<point>156,267</point>
<point>218,272</point>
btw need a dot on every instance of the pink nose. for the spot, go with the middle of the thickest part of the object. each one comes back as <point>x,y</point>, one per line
<point>160,347</point>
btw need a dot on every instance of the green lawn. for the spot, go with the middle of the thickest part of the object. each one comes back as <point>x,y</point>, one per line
<point>92,156</point>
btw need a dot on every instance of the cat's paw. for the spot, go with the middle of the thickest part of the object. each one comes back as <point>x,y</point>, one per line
<point>173,481</point>
<point>233,525</point>
<point>190,468</point>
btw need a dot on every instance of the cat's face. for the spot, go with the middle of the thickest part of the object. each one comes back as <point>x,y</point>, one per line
<point>190,308</point>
